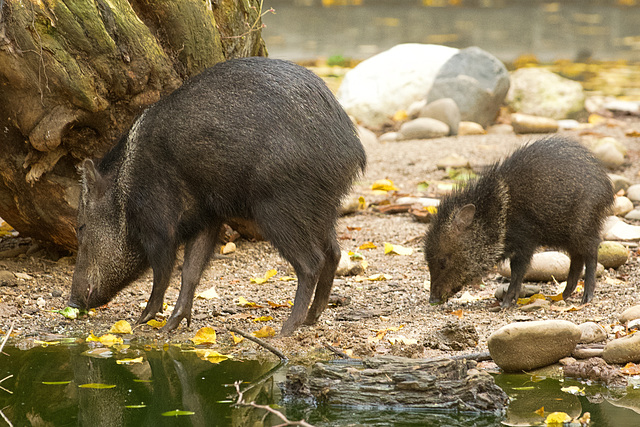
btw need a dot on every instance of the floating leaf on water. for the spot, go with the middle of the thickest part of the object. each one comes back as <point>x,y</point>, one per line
<point>524,388</point>
<point>56,382</point>
<point>573,390</point>
<point>46,343</point>
<point>155,324</point>
<point>177,413</point>
<point>557,418</point>
<point>110,339</point>
<point>100,353</point>
<point>136,406</point>
<point>211,355</point>
<point>206,335</point>
<point>121,327</point>
<point>142,381</point>
<point>539,411</point>
<point>265,332</point>
<point>263,319</point>
<point>98,386</point>
<point>129,361</point>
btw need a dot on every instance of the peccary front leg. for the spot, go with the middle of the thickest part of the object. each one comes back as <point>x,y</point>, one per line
<point>197,253</point>
<point>161,277</point>
<point>575,270</point>
<point>519,264</point>
<point>325,282</point>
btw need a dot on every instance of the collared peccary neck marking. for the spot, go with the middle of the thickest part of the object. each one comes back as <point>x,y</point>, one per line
<point>551,193</point>
<point>252,138</point>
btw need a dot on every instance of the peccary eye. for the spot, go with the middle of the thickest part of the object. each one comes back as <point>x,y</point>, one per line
<point>443,263</point>
<point>80,230</point>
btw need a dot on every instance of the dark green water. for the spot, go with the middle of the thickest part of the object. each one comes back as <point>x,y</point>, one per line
<point>170,379</point>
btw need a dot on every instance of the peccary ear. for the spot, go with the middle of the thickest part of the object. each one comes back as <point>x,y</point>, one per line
<point>92,181</point>
<point>463,218</point>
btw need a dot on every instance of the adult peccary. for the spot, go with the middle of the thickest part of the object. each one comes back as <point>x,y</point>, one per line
<point>254,138</point>
<point>552,192</point>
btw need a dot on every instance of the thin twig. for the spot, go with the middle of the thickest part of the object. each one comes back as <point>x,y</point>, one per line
<point>6,378</point>
<point>253,27</point>
<point>269,409</point>
<point>6,419</point>
<point>260,342</point>
<point>264,377</point>
<point>6,338</point>
<point>336,351</point>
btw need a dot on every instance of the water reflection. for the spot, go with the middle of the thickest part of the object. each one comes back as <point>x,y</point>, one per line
<point>46,392</point>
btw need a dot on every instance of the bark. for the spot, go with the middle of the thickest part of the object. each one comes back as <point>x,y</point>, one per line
<point>75,73</point>
<point>399,383</point>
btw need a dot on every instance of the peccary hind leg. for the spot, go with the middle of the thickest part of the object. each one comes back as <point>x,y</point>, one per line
<point>325,282</point>
<point>575,270</point>
<point>197,253</point>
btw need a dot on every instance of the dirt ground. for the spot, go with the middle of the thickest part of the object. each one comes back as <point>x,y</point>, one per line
<point>399,301</point>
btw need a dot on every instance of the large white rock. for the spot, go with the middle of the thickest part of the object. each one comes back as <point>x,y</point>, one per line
<point>616,229</point>
<point>392,80</point>
<point>544,267</point>
<point>529,345</point>
<point>542,93</point>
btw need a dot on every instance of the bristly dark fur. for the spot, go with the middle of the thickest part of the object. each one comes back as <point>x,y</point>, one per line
<point>252,138</point>
<point>552,193</point>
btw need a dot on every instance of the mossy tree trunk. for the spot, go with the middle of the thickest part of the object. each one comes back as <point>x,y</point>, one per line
<point>75,73</point>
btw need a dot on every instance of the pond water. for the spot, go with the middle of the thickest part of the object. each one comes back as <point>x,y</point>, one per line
<point>45,389</point>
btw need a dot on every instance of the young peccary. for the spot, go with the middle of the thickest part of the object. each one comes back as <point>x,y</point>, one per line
<point>253,138</point>
<point>552,192</point>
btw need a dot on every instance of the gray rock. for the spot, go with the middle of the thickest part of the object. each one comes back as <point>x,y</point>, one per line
<point>526,123</point>
<point>423,128</point>
<point>591,332</point>
<point>530,345</point>
<point>544,267</point>
<point>542,93</point>
<point>619,183</point>
<point>609,153</point>
<point>616,229</point>
<point>367,137</point>
<point>453,161</point>
<point>629,314</point>
<point>568,124</point>
<point>623,350</point>
<point>526,290</point>
<point>389,137</point>
<point>348,267</point>
<point>444,109</point>
<point>633,192</point>
<point>390,81</point>
<point>621,106</point>
<point>476,80</point>
<point>7,278</point>
<point>471,128</point>
<point>633,215</point>
<point>622,206</point>
<point>612,254</point>
<point>538,304</point>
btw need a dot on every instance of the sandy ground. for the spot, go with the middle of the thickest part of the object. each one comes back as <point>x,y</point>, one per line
<point>401,301</point>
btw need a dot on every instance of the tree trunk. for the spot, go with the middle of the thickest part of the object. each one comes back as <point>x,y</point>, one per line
<point>75,73</point>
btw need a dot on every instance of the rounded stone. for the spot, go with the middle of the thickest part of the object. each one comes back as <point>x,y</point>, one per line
<point>525,123</point>
<point>471,128</point>
<point>7,278</point>
<point>591,332</point>
<point>620,183</point>
<point>623,350</point>
<point>367,137</point>
<point>616,229</point>
<point>633,192</point>
<point>633,215</point>
<point>389,137</point>
<point>423,128</point>
<point>530,345</point>
<point>612,254</point>
<point>609,154</point>
<point>629,314</point>
<point>500,129</point>
<point>544,267</point>
<point>445,110</point>
<point>622,206</point>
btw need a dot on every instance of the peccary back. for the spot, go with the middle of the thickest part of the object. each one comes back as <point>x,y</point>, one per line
<point>552,192</point>
<point>252,138</point>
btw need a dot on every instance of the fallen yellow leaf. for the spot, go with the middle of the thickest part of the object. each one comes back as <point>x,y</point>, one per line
<point>110,339</point>
<point>211,355</point>
<point>540,411</point>
<point>288,279</point>
<point>557,418</point>
<point>237,339</point>
<point>379,277</point>
<point>400,115</point>
<point>228,248</point>
<point>205,335</point>
<point>242,301</point>
<point>383,185</point>
<point>362,203</point>
<point>155,324</point>
<point>121,327</point>
<point>397,249</point>
<point>263,319</point>
<point>265,332</point>
<point>367,245</point>
<point>268,275</point>
<point>210,293</point>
